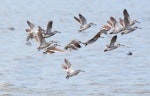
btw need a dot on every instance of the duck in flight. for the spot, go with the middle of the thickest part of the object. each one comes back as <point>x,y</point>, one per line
<point>112,44</point>
<point>73,45</point>
<point>128,24</point>
<point>42,42</point>
<point>83,23</point>
<point>52,49</point>
<point>95,38</point>
<point>114,26</point>
<point>32,31</point>
<point>48,32</point>
<point>69,69</point>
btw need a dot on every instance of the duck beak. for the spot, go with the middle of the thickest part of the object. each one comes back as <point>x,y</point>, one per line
<point>82,43</point>
<point>95,24</point>
<point>28,30</point>
<point>54,41</point>
<point>122,45</point>
<point>28,43</point>
<point>138,22</point>
<point>44,52</point>
<point>58,45</point>
<point>139,28</point>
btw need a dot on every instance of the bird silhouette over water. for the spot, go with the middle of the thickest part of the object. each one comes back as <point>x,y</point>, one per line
<point>48,32</point>
<point>32,31</point>
<point>41,36</point>
<point>42,42</point>
<point>128,19</point>
<point>115,27</point>
<point>73,45</point>
<point>83,23</point>
<point>69,69</point>
<point>95,38</point>
<point>112,45</point>
<point>128,24</point>
<point>52,49</point>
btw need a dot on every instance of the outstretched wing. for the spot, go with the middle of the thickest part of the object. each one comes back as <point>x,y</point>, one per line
<point>113,40</point>
<point>126,19</point>
<point>125,13</point>
<point>49,27</point>
<point>31,25</point>
<point>98,34</point>
<point>106,27</point>
<point>121,22</point>
<point>113,20</point>
<point>67,66</point>
<point>94,39</point>
<point>83,20</point>
<point>64,66</point>
<point>67,63</point>
<point>40,37</point>
<point>78,20</point>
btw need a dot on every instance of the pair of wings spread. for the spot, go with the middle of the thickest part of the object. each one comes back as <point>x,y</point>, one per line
<point>49,26</point>
<point>67,66</point>
<point>81,20</point>
<point>125,23</point>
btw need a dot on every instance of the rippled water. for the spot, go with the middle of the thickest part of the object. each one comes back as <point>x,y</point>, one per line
<point>24,71</point>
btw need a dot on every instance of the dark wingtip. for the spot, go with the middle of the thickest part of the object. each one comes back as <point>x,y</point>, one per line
<point>66,61</point>
<point>65,48</point>
<point>115,36</point>
<point>122,33</point>
<point>105,50</point>
<point>125,10</point>
<point>80,14</point>
<point>85,44</point>
<point>129,53</point>
<point>44,52</point>
<point>27,21</point>
<point>67,77</point>
<point>79,30</point>
<point>111,33</point>
<point>38,49</point>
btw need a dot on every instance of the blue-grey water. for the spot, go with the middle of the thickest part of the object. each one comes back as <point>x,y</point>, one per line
<point>24,71</point>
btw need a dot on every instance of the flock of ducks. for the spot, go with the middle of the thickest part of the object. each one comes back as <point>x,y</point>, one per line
<point>124,26</point>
